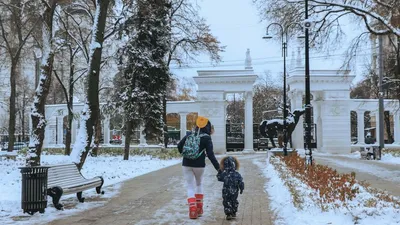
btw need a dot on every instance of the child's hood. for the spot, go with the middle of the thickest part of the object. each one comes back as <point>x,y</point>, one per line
<point>229,163</point>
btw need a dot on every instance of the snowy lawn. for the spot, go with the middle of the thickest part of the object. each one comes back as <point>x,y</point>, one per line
<point>113,169</point>
<point>294,202</point>
<point>388,157</point>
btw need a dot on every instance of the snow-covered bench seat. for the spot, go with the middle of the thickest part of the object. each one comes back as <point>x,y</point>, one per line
<point>67,179</point>
<point>8,155</point>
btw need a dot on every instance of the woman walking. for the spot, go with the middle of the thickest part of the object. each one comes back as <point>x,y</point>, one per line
<point>193,168</point>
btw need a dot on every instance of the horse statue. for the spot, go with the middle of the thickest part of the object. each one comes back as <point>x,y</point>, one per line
<point>270,128</point>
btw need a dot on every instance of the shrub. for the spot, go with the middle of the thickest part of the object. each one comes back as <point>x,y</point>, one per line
<point>329,184</point>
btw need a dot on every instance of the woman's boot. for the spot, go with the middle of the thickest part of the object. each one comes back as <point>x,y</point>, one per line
<point>192,208</point>
<point>199,201</point>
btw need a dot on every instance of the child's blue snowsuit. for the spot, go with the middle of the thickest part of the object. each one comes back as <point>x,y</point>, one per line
<point>233,181</point>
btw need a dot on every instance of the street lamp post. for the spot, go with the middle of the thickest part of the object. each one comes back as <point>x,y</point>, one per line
<point>308,150</point>
<point>284,38</point>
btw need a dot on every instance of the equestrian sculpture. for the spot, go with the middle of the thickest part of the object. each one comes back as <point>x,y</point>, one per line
<point>270,128</point>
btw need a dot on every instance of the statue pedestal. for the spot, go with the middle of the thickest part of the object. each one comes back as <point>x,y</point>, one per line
<point>248,151</point>
<point>279,151</point>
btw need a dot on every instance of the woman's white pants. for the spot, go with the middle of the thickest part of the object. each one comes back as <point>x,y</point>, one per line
<point>194,180</point>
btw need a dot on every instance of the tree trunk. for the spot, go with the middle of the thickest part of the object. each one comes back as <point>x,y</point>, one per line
<point>12,118</point>
<point>97,136</point>
<point>23,117</point>
<point>166,136</point>
<point>92,114</point>
<point>68,135</point>
<point>128,135</point>
<point>42,90</point>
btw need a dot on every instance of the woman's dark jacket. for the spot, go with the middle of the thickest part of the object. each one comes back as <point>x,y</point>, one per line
<point>205,143</point>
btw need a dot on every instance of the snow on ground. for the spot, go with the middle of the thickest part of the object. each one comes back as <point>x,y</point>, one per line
<point>386,158</point>
<point>356,211</point>
<point>113,169</point>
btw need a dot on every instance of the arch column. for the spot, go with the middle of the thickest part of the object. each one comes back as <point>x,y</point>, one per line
<point>248,123</point>
<point>73,131</point>
<point>60,129</point>
<point>183,123</point>
<point>296,98</point>
<point>317,122</point>
<point>396,128</point>
<point>30,125</point>
<point>106,131</point>
<point>360,127</point>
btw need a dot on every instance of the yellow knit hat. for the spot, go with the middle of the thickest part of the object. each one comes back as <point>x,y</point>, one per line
<point>201,121</point>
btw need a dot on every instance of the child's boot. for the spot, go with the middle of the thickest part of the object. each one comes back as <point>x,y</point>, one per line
<point>199,201</point>
<point>192,208</point>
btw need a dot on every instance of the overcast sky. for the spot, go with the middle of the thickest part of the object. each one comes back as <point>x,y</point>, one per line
<point>237,25</point>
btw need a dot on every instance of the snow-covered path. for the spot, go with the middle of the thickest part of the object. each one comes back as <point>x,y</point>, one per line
<point>160,198</point>
<point>378,174</point>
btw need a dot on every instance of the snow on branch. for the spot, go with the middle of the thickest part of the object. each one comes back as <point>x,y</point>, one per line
<point>368,12</point>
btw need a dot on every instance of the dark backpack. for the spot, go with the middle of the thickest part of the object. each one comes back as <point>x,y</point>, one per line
<point>192,145</point>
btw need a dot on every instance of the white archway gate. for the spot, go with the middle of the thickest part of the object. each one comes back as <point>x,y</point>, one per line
<point>213,85</point>
<point>330,90</point>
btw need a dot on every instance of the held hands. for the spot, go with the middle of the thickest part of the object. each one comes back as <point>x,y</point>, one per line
<point>219,175</point>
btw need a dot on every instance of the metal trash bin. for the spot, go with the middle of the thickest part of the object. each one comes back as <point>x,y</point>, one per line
<point>34,189</point>
<point>377,153</point>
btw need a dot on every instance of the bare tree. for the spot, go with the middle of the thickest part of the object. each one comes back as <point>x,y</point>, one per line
<point>75,33</point>
<point>42,90</point>
<point>376,15</point>
<point>91,112</point>
<point>24,92</point>
<point>267,97</point>
<point>329,17</point>
<point>190,37</point>
<point>17,22</point>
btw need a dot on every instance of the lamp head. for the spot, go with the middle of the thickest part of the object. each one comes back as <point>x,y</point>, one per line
<point>267,37</point>
<point>301,36</point>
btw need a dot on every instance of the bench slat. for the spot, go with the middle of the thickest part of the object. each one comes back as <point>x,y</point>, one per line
<point>85,186</point>
<point>68,181</point>
<point>82,183</point>
<point>61,177</point>
<point>61,180</point>
<point>63,169</point>
<point>63,174</point>
<point>80,188</point>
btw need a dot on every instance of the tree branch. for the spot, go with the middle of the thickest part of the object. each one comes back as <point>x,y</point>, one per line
<point>63,88</point>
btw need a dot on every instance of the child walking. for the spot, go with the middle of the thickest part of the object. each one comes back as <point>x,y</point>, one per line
<point>233,182</point>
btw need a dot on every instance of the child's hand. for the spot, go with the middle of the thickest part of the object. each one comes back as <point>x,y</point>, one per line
<point>219,175</point>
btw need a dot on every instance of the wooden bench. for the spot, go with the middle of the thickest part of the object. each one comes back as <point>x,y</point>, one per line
<point>67,179</point>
